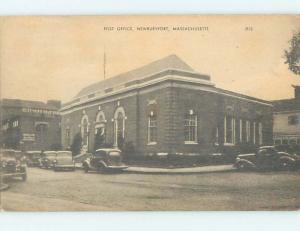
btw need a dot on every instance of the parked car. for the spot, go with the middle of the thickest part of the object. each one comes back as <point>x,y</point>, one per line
<point>104,160</point>
<point>267,158</point>
<point>33,158</point>
<point>11,164</point>
<point>47,158</point>
<point>63,160</point>
<point>289,148</point>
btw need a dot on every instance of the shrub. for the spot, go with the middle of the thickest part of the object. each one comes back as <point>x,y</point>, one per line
<point>76,144</point>
<point>128,149</point>
<point>106,145</point>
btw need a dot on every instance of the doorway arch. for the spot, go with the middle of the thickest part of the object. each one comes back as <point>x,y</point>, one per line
<point>85,130</point>
<point>119,126</point>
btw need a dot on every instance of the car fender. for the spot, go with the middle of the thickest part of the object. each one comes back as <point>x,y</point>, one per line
<point>245,162</point>
<point>103,163</point>
<point>288,158</point>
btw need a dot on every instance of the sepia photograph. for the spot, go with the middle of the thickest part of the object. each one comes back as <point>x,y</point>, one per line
<point>150,113</point>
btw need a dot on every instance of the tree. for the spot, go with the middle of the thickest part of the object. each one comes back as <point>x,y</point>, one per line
<point>56,146</point>
<point>12,138</point>
<point>128,149</point>
<point>293,54</point>
<point>76,144</point>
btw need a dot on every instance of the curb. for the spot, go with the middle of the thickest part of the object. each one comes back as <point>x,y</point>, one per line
<point>195,170</point>
<point>3,187</point>
<point>179,171</point>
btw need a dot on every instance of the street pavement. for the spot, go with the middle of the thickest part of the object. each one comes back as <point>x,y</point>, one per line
<point>46,190</point>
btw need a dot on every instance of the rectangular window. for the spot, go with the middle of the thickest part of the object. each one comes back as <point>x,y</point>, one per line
<point>241,131</point>
<point>260,134</point>
<point>152,129</point>
<point>15,123</point>
<point>254,132</point>
<point>292,141</point>
<point>277,141</point>
<point>217,136</point>
<point>190,128</point>
<point>68,136</point>
<point>285,141</point>
<point>248,131</point>
<point>293,120</point>
<point>229,130</point>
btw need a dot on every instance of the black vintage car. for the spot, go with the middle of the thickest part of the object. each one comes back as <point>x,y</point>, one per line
<point>33,158</point>
<point>267,158</point>
<point>104,160</point>
<point>12,164</point>
<point>47,159</point>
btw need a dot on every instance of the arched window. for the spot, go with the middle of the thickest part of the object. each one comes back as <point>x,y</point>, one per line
<point>100,123</point>
<point>119,127</point>
<point>85,130</point>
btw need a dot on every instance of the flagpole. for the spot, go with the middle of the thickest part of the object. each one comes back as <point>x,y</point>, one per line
<point>104,64</point>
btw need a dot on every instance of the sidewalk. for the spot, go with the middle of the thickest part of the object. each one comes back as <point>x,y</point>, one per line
<point>203,169</point>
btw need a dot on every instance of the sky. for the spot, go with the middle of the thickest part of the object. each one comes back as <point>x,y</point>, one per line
<point>54,57</point>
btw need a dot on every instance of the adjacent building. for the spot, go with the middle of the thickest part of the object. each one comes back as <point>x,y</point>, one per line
<point>286,119</point>
<point>166,107</point>
<point>30,125</point>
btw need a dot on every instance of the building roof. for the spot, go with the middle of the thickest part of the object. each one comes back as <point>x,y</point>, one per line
<point>239,95</point>
<point>27,104</point>
<point>168,66</point>
<point>171,62</point>
<point>286,105</point>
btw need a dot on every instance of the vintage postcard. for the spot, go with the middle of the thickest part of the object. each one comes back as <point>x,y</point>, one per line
<point>150,113</point>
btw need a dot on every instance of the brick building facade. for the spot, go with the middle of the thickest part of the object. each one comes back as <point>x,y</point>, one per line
<point>165,107</point>
<point>30,125</point>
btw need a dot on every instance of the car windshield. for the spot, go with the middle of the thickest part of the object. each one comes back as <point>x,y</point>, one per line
<point>50,154</point>
<point>268,151</point>
<point>114,153</point>
<point>35,155</point>
<point>7,155</point>
<point>100,153</point>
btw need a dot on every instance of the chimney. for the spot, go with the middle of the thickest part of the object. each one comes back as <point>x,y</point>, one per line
<point>297,91</point>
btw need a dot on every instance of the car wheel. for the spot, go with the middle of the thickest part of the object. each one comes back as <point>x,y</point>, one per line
<point>241,166</point>
<point>86,168</point>
<point>285,165</point>
<point>101,168</point>
<point>24,177</point>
